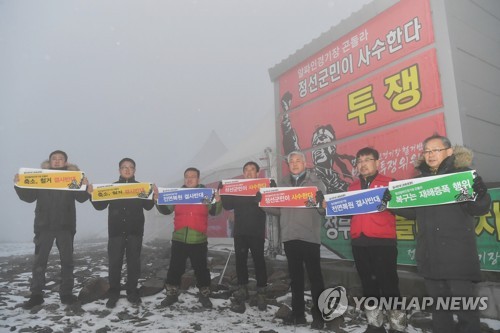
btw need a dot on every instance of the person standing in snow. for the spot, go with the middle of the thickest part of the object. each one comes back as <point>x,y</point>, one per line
<point>249,235</point>
<point>189,240</point>
<point>374,246</point>
<point>446,250</point>
<point>125,233</point>
<point>300,232</point>
<point>55,220</point>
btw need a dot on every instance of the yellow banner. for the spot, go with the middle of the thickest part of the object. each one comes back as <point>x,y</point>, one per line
<point>51,179</point>
<point>116,191</point>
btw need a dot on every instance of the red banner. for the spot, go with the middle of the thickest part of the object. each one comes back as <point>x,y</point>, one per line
<point>296,197</point>
<point>391,35</point>
<point>243,187</point>
<point>402,91</point>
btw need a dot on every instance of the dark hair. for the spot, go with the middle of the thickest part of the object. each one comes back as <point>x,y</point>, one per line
<point>59,152</point>
<point>126,159</point>
<point>367,151</point>
<point>446,142</point>
<point>193,169</point>
<point>251,163</point>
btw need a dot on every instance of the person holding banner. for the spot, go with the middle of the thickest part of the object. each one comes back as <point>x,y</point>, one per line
<point>125,233</point>
<point>249,235</point>
<point>55,219</point>
<point>446,250</point>
<point>373,240</point>
<point>189,240</point>
<point>301,235</point>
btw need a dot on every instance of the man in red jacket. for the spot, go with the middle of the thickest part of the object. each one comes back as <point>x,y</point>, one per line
<point>189,240</point>
<point>373,239</point>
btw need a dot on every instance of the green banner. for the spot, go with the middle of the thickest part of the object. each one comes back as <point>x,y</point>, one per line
<point>429,191</point>
<point>335,235</point>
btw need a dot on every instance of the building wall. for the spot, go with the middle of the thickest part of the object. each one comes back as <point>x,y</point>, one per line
<point>473,29</point>
<point>467,40</point>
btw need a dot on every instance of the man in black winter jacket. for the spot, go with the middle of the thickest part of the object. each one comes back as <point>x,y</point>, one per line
<point>125,232</point>
<point>55,219</point>
<point>249,234</point>
<point>446,250</point>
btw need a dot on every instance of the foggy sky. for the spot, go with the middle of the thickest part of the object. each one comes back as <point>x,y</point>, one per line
<point>150,80</point>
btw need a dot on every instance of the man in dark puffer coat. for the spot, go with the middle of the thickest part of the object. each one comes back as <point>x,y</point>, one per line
<point>55,219</point>
<point>446,251</point>
<point>125,232</point>
<point>249,235</point>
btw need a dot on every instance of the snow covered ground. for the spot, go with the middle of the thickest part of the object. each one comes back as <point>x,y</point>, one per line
<point>184,316</point>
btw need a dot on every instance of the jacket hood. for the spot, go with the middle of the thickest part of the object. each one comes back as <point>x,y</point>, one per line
<point>69,166</point>
<point>461,157</point>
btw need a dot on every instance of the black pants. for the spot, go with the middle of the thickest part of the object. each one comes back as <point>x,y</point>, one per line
<point>43,244</point>
<point>377,270</point>
<point>242,244</point>
<point>130,246</point>
<point>442,320</point>
<point>298,254</point>
<point>197,254</point>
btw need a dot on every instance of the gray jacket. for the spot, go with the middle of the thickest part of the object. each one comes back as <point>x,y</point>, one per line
<point>300,223</point>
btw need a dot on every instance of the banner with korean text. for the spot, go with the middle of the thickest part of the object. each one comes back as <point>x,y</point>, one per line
<point>395,94</point>
<point>185,196</point>
<point>296,197</point>
<point>391,35</point>
<point>115,191</point>
<point>335,235</point>
<point>243,187</point>
<point>50,179</point>
<point>430,191</point>
<point>355,202</point>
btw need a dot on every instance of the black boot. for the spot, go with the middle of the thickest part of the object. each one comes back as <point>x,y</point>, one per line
<point>292,319</point>
<point>112,300</point>
<point>241,294</point>
<point>260,297</point>
<point>68,299</point>
<point>134,297</point>
<point>204,297</point>
<point>237,305</point>
<point>33,301</point>
<point>172,295</point>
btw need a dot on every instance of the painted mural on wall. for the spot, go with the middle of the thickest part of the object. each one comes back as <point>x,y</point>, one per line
<point>378,86</point>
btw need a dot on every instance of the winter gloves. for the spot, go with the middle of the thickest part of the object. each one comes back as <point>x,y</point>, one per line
<point>319,198</point>
<point>479,187</point>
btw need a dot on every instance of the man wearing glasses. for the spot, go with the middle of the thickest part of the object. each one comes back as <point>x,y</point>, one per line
<point>373,239</point>
<point>189,240</point>
<point>446,251</point>
<point>125,232</point>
